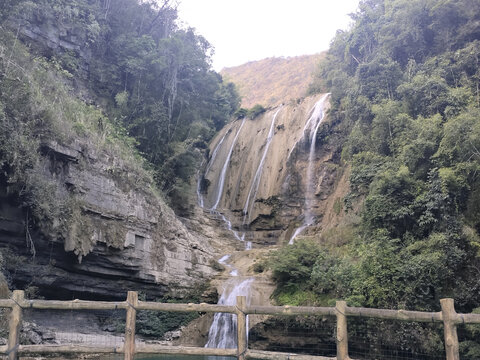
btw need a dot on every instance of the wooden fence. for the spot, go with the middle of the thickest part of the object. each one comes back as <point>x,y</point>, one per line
<point>341,311</point>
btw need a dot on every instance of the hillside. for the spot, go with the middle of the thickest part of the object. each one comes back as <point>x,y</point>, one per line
<point>273,81</point>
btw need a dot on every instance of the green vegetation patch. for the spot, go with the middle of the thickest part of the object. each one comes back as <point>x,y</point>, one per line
<point>38,114</point>
<point>404,84</point>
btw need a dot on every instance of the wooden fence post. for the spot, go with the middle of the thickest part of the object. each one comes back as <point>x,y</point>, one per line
<point>450,329</point>
<point>132,301</point>
<point>342,334</point>
<point>241,327</point>
<point>15,325</point>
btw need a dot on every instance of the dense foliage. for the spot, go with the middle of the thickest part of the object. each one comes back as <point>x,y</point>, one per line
<point>151,76</point>
<point>155,324</point>
<point>405,85</point>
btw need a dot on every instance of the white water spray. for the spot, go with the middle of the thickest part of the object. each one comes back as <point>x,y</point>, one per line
<point>199,192</point>
<point>221,182</point>
<point>212,160</point>
<point>312,125</point>
<point>227,222</point>
<point>222,333</point>
<point>252,193</point>
<point>219,189</point>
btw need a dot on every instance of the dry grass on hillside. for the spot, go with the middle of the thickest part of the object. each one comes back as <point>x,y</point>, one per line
<point>273,81</point>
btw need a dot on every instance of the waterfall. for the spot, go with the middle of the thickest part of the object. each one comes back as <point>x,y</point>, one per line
<point>219,189</point>
<point>199,186</point>
<point>221,182</point>
<point>212,159</point>
<point>252,193</point>
<point>222,333</point>
<point>223,260</point>
<point>312,125</point>
<point>228,223</point>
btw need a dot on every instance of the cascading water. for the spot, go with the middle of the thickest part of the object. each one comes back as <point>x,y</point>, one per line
<point>229,225</point>
<point>222,333</point>
<point>212,159</point>
<point>221,181</point>
<point>252,193</point>
<point>225,168</point>
<point>199,188</point>
<point>312,125</point>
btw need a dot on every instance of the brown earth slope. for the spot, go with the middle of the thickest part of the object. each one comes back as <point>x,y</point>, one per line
<point>273,81</point>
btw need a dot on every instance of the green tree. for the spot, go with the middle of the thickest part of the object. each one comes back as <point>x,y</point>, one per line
<point>405,92</point>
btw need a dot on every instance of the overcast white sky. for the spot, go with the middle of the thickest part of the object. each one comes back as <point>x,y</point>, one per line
<point>246,30</point>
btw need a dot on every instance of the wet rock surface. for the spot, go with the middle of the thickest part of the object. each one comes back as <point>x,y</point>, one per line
<point>277,206</point>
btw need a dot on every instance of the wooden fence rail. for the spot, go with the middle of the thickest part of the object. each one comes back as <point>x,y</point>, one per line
<point>341,311</point>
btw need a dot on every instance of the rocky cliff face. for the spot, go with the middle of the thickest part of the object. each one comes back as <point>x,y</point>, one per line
<point>124,236</point>
<point>116,232</point>
<point>277,202</point>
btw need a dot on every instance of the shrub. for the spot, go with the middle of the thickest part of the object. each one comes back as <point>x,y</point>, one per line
<point>240,113</point>
<point>255,111</point>
<point>292,265</point>
<point>259,267</point>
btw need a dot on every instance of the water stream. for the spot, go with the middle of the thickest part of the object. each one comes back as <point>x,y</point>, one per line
<point>252,193</point>
<point>221,181</point>
<point>209,165</point>
<point>222,333</point>
<point>311,127</point>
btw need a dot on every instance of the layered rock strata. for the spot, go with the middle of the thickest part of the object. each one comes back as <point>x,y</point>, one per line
<point>125,237</point>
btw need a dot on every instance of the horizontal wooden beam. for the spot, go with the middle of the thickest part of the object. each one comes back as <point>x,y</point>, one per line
<point>85,349</point>
<point>467,319</point>
<point>73,305</point>
<point>403,315</point>
<point>291,310</point>
<point>139,349</point>
<point>5,303</point>
<point>269,355</point>
<point>144,305</point>
<point>182,350</point>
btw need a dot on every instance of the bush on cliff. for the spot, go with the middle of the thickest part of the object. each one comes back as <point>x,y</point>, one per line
<point>255,111</point>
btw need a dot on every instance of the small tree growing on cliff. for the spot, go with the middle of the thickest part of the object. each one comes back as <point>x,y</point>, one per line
<point>255,111</point>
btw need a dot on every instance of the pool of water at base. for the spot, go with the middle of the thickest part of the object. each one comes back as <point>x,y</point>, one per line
<point>182,357</point>
<point>178,357</point>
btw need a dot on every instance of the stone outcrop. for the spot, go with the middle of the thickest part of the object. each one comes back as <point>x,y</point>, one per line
<point>52,35</point>
<point>123,237</point>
